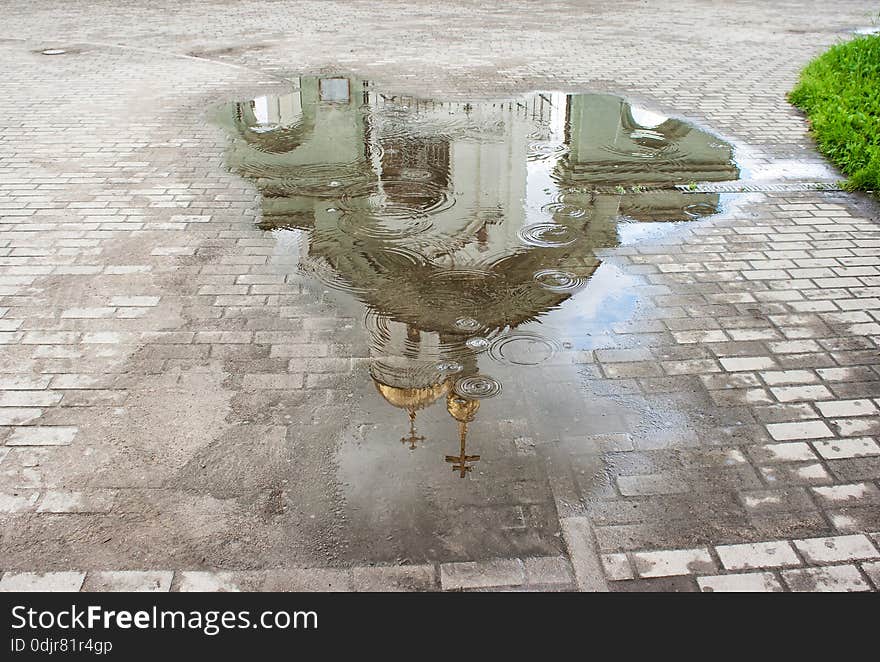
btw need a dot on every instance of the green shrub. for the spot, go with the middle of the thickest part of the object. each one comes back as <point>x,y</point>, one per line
<point>840,93</point>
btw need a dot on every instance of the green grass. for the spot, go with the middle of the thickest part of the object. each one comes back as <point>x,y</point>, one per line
<point>840,93</point>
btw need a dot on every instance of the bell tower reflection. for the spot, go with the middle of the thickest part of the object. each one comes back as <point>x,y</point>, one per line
<point>464,411</point>
<point>454,224</point>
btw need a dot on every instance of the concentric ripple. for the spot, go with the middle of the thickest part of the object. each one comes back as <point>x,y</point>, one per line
<point>700,209</point>
<point>558,281</point>
<point>313,180</point>
<point>449,367</point>
<point>477,343</point>
<point>547,235</point>
<point>557,209</point>
<point>541,151</point>
<point>523,348</point>
<point>477,387</point>
<point>396,210</point>
<point>467,324</point>
<point>646,148</point>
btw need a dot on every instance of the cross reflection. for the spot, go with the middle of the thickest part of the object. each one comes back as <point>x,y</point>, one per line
<point>412,438</point>
<point>460,461</point>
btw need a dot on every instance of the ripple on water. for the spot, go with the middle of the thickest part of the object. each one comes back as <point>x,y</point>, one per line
<point>390,259</point>
<point>547,235</point>
<point>269,127</point>
<point>546,151</point>
<point>393,372</point>
<point>700,209</point>
<point>477,387</point>
<point>325,274</point>
<point>467,324</point>
<point>647,147</point>
<point>477,343</point>
<point>446,357</point>
<point>558,281</point>
<point>468,289</point>
<point>314,180</point>
<point>557,209</point>
<point>396,210</point>
<point>523,348</point>
<point>449,367</point>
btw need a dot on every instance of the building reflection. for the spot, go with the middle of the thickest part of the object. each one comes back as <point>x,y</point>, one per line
<point>455,223</point>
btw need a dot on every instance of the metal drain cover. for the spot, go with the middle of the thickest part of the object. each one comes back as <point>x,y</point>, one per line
<point>745,186</point>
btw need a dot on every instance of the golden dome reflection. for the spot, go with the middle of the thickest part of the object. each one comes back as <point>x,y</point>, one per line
<point>411,399</point>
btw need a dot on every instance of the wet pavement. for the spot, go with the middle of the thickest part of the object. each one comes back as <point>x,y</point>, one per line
<point>345,330</point>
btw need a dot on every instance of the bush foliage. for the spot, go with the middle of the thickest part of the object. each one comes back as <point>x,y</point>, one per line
<point>840,93</point>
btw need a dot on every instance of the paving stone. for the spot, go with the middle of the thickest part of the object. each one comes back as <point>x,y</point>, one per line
<point>786,377</point>
<point>838,548</point>
<point>307,579</point>
<point>757,555</point>
<point>481,574</point>
<point>838,579</point>
<point>650,484</point>
<point>155,581</point>
<point>67,582</point>
<point>853,492</point>
<point>193,581</point>
<point>777,500</point>
<point>19,415</point>
<point>855,468</point>
<point>42,436</point>
<point>29,398</point>
<point>851,427</point>
<point>676,584</point>
<point>795,393</point>
<point>751,582</point>
<point>872,569</point>
<point>393,578</point>
<point>92,501</point>
<point>136,301</point>
<point>847,448</point>
<point>739,364</point>
<point>799,430</point>
<point>793,451</point>
<point>800,473</point>
<point>548,570</point>
<point>18,501</point>
<point>854,518</point>
<point>23,382</point>
<point>617,567</point>
<point>583,554</point>
<point>267,381</point>
<point>673,562</point>
<point>847,408</point>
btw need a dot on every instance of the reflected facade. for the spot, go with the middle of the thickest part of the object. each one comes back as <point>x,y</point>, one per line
<point>456,224</point>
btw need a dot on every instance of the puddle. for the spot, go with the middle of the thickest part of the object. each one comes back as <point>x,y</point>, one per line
<point>464,243</point>
<point>471,233</point>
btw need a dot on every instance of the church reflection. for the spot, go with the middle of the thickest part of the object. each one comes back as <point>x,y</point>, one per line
<point>456,223</point>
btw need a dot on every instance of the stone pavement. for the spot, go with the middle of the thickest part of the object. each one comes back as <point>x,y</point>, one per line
<point>178,412</point>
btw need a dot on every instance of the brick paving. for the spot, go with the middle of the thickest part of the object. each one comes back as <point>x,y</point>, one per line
<point>170,395</point>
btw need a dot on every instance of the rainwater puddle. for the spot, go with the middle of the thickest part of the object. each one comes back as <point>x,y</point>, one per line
<point>470,237</point>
